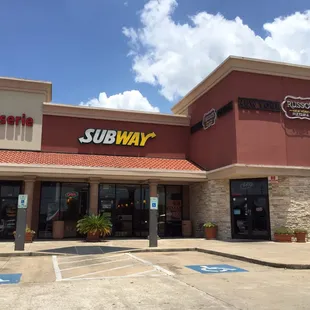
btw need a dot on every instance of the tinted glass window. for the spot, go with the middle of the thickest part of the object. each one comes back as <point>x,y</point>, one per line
<point>249,187</point>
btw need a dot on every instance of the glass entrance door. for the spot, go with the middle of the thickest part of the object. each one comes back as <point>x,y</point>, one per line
<point>250,209</point>
<point>9,192</point>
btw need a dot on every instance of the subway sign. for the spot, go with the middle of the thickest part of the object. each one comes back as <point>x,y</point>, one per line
<point>116,137</point>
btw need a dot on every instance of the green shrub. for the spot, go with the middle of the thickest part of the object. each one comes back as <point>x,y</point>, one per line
<point>284,231</point>
<point>95,223</point>
<point>300,230</point>
<point>209,225</point>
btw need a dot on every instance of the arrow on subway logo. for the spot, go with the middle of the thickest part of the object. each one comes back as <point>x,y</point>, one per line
<point>117,137</point>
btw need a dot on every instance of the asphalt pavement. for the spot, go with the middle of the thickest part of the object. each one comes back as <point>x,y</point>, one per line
<point>164,280</point>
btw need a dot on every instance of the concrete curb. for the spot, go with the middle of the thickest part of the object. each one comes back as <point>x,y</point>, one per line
<point>255,261</point>
<point>154,250</point>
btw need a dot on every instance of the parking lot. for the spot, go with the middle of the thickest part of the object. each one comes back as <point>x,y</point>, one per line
<point>170,278</point>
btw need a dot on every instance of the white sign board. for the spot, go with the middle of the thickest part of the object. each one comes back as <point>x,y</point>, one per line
<point>22,201</point>
<point>154,203</point>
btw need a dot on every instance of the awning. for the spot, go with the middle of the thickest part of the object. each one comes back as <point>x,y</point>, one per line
<point>44,164</point>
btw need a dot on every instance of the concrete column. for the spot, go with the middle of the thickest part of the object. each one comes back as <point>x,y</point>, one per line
<point>93,197</point>
<point>28,190</point>
<point>153,218</point>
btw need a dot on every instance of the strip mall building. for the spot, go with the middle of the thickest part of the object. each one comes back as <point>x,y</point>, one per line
<point>235,151</point>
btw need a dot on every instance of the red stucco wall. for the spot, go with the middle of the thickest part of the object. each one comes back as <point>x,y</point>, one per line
<point>270,138</point>
<point>60,134</point>
<point>216,146</point>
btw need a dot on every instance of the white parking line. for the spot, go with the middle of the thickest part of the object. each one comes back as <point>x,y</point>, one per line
<point>94,258</point>
<point>134,275</point>
<point>56,268</point>
<point>167,272</point>
<point>102,263</point>
<point>68,261</point>
<point>101,271</point>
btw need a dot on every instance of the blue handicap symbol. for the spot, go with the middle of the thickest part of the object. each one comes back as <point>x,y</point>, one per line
<point>10,278</point>
<point>215,268</point>
<point>22,201</point>
<point>154,205</point>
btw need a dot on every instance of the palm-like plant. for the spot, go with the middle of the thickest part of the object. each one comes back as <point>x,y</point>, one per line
<point>94,224</point>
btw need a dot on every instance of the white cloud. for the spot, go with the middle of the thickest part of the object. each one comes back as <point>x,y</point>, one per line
<point>128,100</point>
<point>177,56</point>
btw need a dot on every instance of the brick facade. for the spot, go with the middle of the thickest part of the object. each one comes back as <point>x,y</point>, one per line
<point>289,202</point>
<point>210,202</point>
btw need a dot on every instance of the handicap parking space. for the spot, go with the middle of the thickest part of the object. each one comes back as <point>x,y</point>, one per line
<point>241,284</point>
<point>69,268</point>
<point>20,269</point>
<point>194,263</point>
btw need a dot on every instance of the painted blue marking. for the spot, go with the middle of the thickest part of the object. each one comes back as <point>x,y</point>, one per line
<point>215,268</point>
<point>10,278</point>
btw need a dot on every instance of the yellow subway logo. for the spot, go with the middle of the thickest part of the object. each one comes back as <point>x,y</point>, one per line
<point>116,137</point>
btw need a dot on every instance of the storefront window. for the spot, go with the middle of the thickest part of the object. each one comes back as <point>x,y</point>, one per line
<point>67,202</point>
<point>249,187</point>
<point>128,206</point>
<point>174,210</point>
<point>107,199</point>
<point>8,208</point>
<point>73,205</point>
<point>161,210</point>
<point>10,190</point>
<point>49,208</point>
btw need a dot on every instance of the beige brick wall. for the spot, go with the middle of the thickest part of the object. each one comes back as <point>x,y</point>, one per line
<point>209,201</point>
<point>289,202</point>
<point>220,205</point>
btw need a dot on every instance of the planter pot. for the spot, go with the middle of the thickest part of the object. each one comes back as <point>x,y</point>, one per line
<point>301,237</point>
<point>28,237</point>
<point>282,238</point>
<point>93,237</point>
<point>58,229</point>
<point>210,232</point>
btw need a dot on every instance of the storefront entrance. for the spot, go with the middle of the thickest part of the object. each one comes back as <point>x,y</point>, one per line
<point>9,192</point>
<point>250,209</point>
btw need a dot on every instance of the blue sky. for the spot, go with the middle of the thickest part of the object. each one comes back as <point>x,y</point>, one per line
<point>80,46</point>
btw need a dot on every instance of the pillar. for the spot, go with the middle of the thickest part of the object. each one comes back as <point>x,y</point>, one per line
<point>153,214</point>
<point>28,190</point>
<point>93,197</point>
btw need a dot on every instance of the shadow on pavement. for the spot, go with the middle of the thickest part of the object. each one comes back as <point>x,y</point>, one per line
<point>86,250</point>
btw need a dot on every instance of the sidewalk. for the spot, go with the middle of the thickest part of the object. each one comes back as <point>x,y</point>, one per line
<point>287,255</point>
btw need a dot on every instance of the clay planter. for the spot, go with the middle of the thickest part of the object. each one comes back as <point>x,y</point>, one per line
<point>93,237</point>
<point>58,229</point>
<point>28,237</point>
<point>301,236</point>
<point>283,237</point>
<point>210,232</point>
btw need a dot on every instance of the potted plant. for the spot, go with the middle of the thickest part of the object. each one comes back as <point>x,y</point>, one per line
<point>300,234</point>
<point>210,230</point>
<point>94,226</point>
<point>283,234</point>
<point>29,233</point>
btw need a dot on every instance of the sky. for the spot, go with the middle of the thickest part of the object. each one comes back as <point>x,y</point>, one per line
<point>143,54</point>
